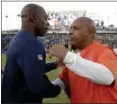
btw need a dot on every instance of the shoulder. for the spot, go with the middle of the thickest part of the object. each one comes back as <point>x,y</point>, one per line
<point>106,49</point>
<point>23,42</point>
<point>98,50</point>
<point>108,52</point>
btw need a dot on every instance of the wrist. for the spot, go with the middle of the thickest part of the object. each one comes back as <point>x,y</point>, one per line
<point>59,82</point>
<point>64,54</point>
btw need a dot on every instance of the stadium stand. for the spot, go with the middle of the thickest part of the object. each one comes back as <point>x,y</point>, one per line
<point>59,30</point>
<point>60,37</point>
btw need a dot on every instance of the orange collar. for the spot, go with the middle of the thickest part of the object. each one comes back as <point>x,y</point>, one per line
<point>89,48</point>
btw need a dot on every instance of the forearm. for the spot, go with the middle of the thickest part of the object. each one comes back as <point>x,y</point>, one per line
<point>43,88</point>
<point>62,85</point>
<point>59,82</point>
<point>50,66</point>
<point>95,72</point>
<point>53,91</point>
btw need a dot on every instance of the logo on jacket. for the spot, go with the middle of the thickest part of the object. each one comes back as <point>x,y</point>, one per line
<point>89,58</point>
<point>40,57</point>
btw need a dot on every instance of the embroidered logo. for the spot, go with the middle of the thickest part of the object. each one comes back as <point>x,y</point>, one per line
<point>89,58</point>
<point>40,57</point>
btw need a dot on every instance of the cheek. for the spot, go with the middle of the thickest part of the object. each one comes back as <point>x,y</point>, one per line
<point>43,22</point>
<point>39,26</point>
<point>77,36</point>
<point>39,22</point>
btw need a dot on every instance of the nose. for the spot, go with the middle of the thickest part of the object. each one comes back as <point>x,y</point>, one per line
<point>47,23</point>
<point>71,32</point>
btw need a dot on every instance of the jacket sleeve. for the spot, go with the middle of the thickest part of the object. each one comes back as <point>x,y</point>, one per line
<point>33,66</point>
<point>95,72</point>
<point>50,66</point>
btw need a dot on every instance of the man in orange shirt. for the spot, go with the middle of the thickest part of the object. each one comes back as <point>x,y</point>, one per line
<point>91,73</point>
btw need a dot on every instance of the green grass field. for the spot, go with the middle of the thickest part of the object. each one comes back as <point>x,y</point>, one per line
<point>62,98</point>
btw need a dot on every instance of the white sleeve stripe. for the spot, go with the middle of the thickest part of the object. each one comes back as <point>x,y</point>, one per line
<point>59,82</point>
<point>96,72</point>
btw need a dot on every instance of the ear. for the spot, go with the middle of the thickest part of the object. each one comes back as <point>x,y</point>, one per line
<point>32,18</point>
<point>92,31</point>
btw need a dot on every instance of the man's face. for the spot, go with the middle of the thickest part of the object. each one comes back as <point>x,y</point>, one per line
<point>78,34</point>
<point>41,24</point>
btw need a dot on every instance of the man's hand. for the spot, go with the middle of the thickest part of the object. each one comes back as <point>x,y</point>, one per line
<point>59,63</point>
<point>58,51</point>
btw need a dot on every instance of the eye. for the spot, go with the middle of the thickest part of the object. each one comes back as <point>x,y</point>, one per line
<point>70,34</point>
<point>76,28</point>
<point>46,17</point>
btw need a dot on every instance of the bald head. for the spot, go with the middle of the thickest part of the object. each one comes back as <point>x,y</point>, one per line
<point>34,19</point>
<point>82,32</point>
<point>87,22</point>
<point>31,9</point>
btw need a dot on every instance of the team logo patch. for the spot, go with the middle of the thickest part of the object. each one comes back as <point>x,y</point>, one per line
<point>89,58</point>
<point>40,57</point>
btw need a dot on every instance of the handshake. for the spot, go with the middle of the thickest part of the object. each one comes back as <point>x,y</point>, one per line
<point>60,52</point>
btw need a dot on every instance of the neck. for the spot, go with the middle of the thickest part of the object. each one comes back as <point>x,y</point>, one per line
<point>27,27</point>
<point>87,43</point>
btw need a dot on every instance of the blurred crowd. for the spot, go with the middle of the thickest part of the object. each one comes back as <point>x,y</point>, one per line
<point>61,38</point>
<point>61,21</point>
<point>110,39</point>
<point>5,40</point>
<point>63,18</point>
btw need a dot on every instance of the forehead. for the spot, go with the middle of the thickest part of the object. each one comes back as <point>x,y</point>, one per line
<point>79,23</point>
<point>41,12</point>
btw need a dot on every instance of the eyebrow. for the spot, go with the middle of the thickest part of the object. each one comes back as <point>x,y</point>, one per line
<point>73,27</point>
<point>23,16</point>
<point>46,16</point>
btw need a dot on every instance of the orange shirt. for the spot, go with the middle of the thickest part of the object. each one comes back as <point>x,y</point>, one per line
<point>85,91</point>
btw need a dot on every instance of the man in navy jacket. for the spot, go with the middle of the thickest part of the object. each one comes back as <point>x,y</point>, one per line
<point>24,79</point>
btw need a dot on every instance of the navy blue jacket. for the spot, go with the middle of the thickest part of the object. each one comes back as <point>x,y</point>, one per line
<point>24,79</point>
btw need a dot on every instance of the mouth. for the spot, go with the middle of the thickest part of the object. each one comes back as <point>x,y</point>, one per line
<point>70,39</point>
<point>46,29</point>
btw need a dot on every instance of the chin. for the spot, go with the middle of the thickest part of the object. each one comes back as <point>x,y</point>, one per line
<point>73,47</point>
<point>44,33</point>
<point>40,34</point>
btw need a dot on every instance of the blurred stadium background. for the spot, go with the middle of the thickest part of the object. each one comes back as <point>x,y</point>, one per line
<point>59,33</point>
